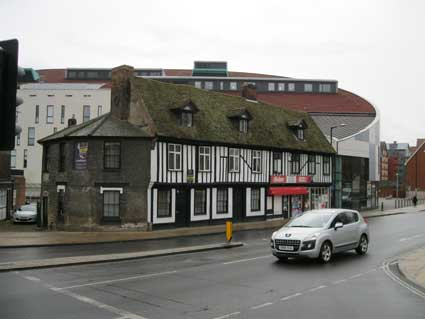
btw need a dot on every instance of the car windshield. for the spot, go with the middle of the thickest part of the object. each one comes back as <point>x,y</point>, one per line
<point>312,220</point>
<point>31,208</point>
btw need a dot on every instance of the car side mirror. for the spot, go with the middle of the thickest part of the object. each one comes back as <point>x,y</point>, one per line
<point>338,225</point>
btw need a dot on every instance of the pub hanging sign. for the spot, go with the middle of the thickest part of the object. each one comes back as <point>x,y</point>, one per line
<point>284,179</point>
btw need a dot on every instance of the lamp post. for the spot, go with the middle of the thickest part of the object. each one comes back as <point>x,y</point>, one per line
<point>333,192</point>
<point>334,127</point>
<point>396,185</point>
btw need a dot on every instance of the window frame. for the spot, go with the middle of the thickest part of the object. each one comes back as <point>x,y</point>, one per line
<point>243,125</point>
<point>326,165</point>
<point>111,158</point>
<point>204,158</point>
<point>308,87</point>
<point>325,88</point>
<point>256,161</point>
<point>186,119</point>
<point>50,117</point>
<point>31,139</point>
<point>37,114</point>
<point>277,157</point>
<point>300,133</point>
<point>281,87</point>
<point>198,84</point>
<point>255,200</point>
<point>168,202</point>
<point>291,87</point>
<point>233,86</point>
<point>86,107</point>
<point>295,165</point>
<point>271,86</point>
<point>311,165</point>
<point>113,204</point>
<point>222,202</point>
<point>209,85</point>
<point>174,153</point>
<point>234,159</point>
<point>200,210</point>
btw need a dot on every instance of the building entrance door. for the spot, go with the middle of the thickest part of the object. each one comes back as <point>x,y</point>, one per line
<point>182,207</point>
<point>277,205</point>
<point>238,204</point>
<point>61,197</point>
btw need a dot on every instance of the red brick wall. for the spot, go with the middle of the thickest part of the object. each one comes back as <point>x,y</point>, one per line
<point>416,170</point>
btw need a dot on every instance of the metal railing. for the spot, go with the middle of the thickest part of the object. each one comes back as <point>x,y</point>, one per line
<point>406,202</point>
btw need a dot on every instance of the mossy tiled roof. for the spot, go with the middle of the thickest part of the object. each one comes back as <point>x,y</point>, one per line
<point>268,127</point>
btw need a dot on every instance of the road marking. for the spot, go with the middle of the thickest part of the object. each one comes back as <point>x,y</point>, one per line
<point>411,237</point>
<point>339,281</point>
<point>262,306</point>
<point>229,315</point>
<point>32,278</point>
<point>355,276</point>
<point>317,288</point>
<point>100,305</point>
<point>291,296</point>
<point>369,271</point>
<point>247,259</point>
<point>389,273</point>
<point>118,280</point>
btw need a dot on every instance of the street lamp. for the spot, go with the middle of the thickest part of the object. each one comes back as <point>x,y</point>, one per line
<point>396,186</point>
<point>334,127</point>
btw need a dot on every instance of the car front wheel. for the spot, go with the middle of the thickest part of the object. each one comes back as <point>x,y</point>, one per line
<point>363,245</point>
<point>325,253</point>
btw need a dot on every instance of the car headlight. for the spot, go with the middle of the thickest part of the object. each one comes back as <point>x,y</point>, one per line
<point>271,243</point>
<point>308,245</point>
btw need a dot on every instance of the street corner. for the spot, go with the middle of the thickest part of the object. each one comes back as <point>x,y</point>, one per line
<point>412,266</point>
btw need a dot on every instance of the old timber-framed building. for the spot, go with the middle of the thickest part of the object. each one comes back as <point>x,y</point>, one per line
<point>173,155</point>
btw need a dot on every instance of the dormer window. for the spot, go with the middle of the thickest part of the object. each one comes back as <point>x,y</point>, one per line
<point>300,133</point>
<point>243,125</point>
<point>186,119</point>
<point>298,127</point>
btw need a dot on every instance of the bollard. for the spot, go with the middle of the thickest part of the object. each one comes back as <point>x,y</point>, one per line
<point>382,206</point>
<point>229,231</point>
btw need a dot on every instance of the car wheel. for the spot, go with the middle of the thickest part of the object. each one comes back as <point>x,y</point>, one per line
<point>325,252</point>
<point>363,245</point>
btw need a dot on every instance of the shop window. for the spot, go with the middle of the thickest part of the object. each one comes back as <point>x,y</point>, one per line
<point>164,203</point>
<point>255,199</point>
<point>112,155</point>
<point>234,160</point>
<point>311,164</point>
<point>204,158</point>
<point>222,201</point>
<point>111,204</point>
<point>200,202</point>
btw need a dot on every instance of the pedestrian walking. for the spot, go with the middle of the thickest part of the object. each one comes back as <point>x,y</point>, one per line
<point>414,200</point>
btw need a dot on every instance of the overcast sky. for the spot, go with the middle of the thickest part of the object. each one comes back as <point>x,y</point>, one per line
<point>373,48</point>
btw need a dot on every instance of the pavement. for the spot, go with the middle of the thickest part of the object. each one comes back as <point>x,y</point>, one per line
<point>245,282</point>
<point>412,266</point>
<point>51,238</point>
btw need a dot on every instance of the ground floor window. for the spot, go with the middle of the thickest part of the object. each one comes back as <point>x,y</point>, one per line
<point>3,203</point>
<point>164,203</point>
<point>319,197</point>
<point>200,202</point>
<point>255,199</point>
<point>111,204</point>
<point>222,201</point>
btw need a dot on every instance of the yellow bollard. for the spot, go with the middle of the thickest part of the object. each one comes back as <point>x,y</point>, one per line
<point>229,231</point>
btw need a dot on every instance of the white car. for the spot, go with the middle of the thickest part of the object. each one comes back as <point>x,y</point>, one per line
<point>320,234</point>
<point>26,214</point>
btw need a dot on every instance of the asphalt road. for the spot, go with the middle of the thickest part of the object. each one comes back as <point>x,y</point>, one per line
<point>244,282</point>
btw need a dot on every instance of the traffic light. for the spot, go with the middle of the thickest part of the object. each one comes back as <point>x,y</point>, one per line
<point>8,86</point>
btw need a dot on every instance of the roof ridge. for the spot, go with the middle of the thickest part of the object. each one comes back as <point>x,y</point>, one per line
<point>107,115</point>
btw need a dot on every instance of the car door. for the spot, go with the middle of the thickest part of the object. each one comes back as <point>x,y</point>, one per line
<point>350,227</point>
<point>339,236</point>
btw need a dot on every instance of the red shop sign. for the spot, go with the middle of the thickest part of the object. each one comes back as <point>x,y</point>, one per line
<point>284,179</point>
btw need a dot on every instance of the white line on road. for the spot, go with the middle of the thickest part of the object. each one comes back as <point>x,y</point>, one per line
<point>118,280</point>
<point>317,288</point>
<point>32,278</point>
<point>291,296</point>
<point>339,281</point>
<point>369,271</point>
<point>262,306</point>
<point>247,259</point>
<point>229,315</point>
<point>411,237</point>
<point>355,276</point>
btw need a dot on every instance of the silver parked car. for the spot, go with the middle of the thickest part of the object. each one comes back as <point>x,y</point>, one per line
<point>26,214</point>
<point>320,234</point>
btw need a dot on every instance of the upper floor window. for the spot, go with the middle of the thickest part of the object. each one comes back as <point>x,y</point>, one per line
<point>243,125</point>
<point>256,161</point>
<point>31,136</point>
<point>25,158</point>
<point>271,86</point>
<point>37,114</point>
<point>18,139</point>
<point>300,133</point>
<point>112,155</point>
<point>13,159</point>
<point>204,158</point>
<point>111,204</point>
<point>164,203</point>
<point>222,199</point>
<point>61,157</point>
<point>311,164</point>
<point>200,202</point>
<point>325,87</point>
<point>49,114</point>
<point>198,84</point>
<point>62,114</point>
<point>186,119</point>
<point>46,158</point>
<point>234,155</point>
<point>326,165</point>
<point>86,113</point>
<point>281,86</point>
<point>209,85</point>
<point>99,110</point>
<point>174,157</point>
<point>291,87</point>
<point>277,163</point>
<point>295,163</point>
<point>233,86</point>
<point>308,87</point>
<point>255,199</point>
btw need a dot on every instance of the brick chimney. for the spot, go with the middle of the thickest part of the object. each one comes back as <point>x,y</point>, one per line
<point>121,91</point>
<point>72,121</point>
<point>249,91</point>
